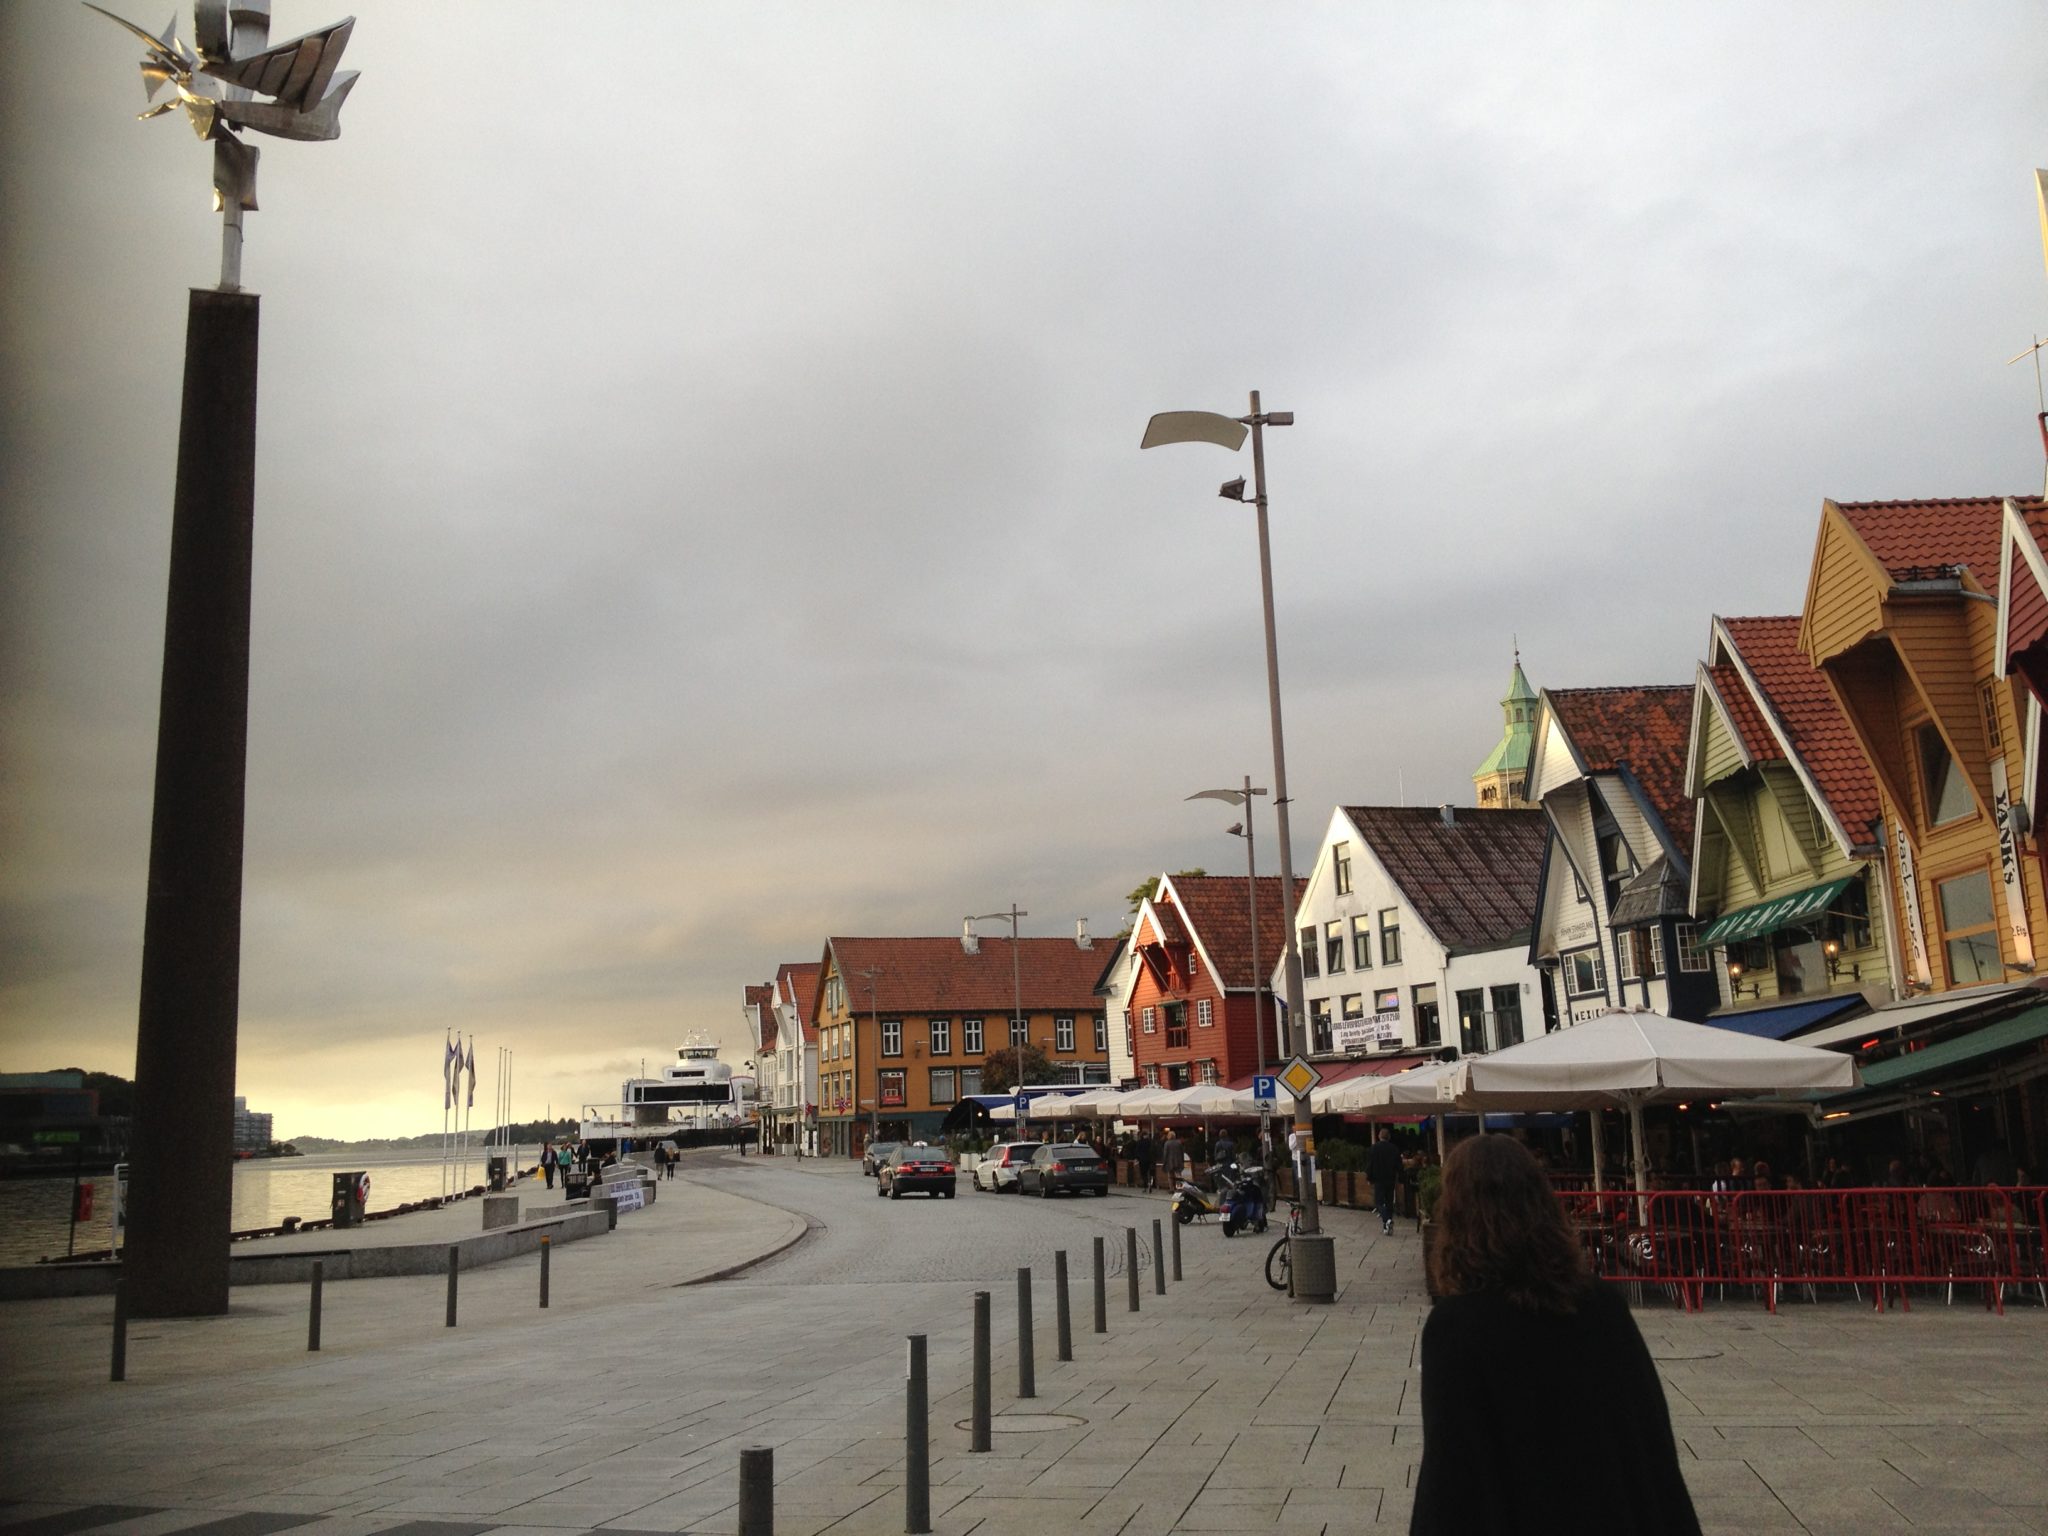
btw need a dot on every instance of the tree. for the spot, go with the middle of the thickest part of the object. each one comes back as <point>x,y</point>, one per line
<point>1013,1066</point>
<point>1150,888</point>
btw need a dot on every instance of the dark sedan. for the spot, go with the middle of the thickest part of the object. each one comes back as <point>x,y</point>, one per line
<point>1063,1170</point>
<point>911,1169</point>
<point>877,1153</point>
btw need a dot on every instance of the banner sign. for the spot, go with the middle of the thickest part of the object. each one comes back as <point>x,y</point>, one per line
<point>1916,936</point>
<point>1364,1033</point>
<point>2016,927</point>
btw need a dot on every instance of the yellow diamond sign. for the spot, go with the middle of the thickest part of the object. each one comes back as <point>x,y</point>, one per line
<point>1297,1077</point>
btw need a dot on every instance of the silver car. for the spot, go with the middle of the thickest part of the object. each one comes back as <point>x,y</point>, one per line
<point>999,1165</point>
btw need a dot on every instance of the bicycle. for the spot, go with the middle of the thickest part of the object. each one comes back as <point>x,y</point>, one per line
<point>1279,1265</point>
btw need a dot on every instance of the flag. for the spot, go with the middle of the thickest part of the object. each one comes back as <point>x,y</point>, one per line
<point>471,1064</point>
<point>451,1053</point>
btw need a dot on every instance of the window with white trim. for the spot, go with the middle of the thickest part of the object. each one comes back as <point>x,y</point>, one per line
<point>1390,936</point>
<point>942,1037</point>
<point>1361,943</point>
<point>892,1037</point>
<point>1063,1034</point>
<point>970,1036</point>
<point>1102,1032</point>
<point>1691,957</point>
<point>1333,946</point>
<point>1151,1017</point>
<point>1205,1014</point>
<point>1020,1030</point>
<point>1584,972</point>
<point>1308,952</point>
<point>1340,866</point>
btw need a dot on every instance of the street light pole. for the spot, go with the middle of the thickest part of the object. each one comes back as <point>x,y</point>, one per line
<point>1244,830</point>
<point>1229,432</point>
<point>1017,1024</point>
<point>874,1023</point>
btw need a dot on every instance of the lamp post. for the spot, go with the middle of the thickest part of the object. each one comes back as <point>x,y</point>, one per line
<point>1229,432</point>
<point>874,1023</point>
<point>1017,1025</point>
<point>1243,829</point>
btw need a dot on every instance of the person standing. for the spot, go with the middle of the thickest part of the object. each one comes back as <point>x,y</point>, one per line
<point>547,1162</point>
<point>1141,1150</point>
<point>1175,1158</point>
<point>1383,1167</point>
<point>565,1159</point>
<point>1225,1152</point>
<point>1516,1305</point>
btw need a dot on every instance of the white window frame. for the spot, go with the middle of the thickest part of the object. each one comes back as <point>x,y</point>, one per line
<point>892,1037</point>
<point>1340,867</point>
<point>1564,963</point>
<point>1102,1033</point>
<point>972,1040</point>
<point>941,1031</point>
<point>1205,1014</point>
<point>1151,1019</point>
<point>1063,1034</point>
<point>1361,942</point>
<point>1691,958</point>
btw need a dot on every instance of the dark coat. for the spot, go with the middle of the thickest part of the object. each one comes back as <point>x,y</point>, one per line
<point>1383,1164</point>
<point>1537,1421</point>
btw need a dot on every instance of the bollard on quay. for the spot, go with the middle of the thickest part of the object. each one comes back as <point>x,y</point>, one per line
<point>1159,1257</point>
<point>1062,1317</point>
<point>454,1261</point>
<point>546,1249</point>
<point>1101,1292</point>
<point>1027,1365</point>
<point>979,1430</point>
<point>757,1491</point>
<point>119,1369</point>
<point>1176,1250</point>
<point>917,1443</point>
<point>1131,1266</point>
<point>313,1311</point>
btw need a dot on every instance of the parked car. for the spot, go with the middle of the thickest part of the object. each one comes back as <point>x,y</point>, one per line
<point>997,1170</point>
<point>1063,1170</point>
<point>877,1154</point>
<point>910,1169</point>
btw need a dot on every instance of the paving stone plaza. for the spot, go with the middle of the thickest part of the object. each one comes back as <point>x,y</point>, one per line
<point>1220,1406</point>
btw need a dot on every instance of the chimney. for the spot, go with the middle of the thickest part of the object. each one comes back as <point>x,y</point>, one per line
<point>969,941</point>
<point>1081,938</point>
<point>1447,815</point>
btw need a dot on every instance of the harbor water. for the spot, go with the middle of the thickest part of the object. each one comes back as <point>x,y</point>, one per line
<point>35,1213</point>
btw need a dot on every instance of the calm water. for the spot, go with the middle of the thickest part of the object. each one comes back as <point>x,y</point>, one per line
<point>35,1213</point>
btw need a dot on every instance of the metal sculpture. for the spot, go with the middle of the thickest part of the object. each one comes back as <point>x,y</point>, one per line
<point>302,78</point>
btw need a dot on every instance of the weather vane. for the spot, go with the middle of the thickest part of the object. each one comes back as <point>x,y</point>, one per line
<point>300,78</point>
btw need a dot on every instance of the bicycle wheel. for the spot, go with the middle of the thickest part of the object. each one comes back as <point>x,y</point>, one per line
<point>1277,1262</point>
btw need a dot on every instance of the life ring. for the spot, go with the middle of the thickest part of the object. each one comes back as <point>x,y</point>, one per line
<point>363,1190</point>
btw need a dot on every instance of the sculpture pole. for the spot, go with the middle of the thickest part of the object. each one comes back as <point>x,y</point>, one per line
<point>182,1190</point>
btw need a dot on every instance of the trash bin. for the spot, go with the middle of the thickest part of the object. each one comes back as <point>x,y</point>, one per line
<point>495,1172</point>
<point>351,1198</point>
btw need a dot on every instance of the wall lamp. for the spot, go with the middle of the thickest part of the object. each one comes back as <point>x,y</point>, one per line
<point>1735,983</point>
<point>1833,949</point>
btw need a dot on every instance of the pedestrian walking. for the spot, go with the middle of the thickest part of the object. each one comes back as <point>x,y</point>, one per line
<point>565,1159</point>
<point>547,1162</point>
<point>1383,1167</point>
<point>1174,1157</point>
<point>1142,1152</point>
<point>1225,1151</point>
<point>1515,1304</point>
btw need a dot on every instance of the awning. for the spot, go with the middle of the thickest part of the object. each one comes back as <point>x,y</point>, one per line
<point>1780,912</point>
<point>1788,1019</point>
<point>1963,1051</point>
<point>1897,1016</point>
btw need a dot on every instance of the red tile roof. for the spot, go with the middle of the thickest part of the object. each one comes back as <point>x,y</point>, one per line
<point>1473,882</point>
<point>1217,910</point>
<point>1797,694</point>
<point>1910,536</point>
<point>798,984</point>
<point>916,975</point>
<point>1750,727</point>
<point>1643,730</point>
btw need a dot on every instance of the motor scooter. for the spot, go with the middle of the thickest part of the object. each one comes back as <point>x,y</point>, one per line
<point>1191,1202</point>
<point>1244,1199</point>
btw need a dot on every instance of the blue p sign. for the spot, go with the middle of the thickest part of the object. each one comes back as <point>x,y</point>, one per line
<point>1265,1088</point>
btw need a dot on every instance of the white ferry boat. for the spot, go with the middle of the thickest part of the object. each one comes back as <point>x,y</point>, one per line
<point>697,1093</point>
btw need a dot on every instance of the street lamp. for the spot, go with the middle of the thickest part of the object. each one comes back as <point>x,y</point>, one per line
<point>875,1109</point>
<point>1243,829</point>
<point>1314,1274</point>
<point>1017,1024</point>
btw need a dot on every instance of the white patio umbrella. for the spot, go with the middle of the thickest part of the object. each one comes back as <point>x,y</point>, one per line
<point>1145,1103</point>
<point>1053,1106</point>
<point>1631,1057</point>
<point>1095,1104</point>
<point>1431,1089</point>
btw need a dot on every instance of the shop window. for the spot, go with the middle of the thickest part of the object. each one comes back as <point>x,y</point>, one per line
<point>892,1088</point>
<point>1428,1030</point>
<point>1319,1024</point>
<point>1472,1020</point>
<point>943,1091</point>
<point>970,1082</point>
<point>1969,929</point>
<point>1507,1017</point>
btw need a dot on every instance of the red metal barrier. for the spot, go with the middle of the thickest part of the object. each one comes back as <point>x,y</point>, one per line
<point>1888,1240</point>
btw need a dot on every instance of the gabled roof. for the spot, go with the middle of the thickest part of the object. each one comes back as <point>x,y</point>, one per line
<point>1641,731</point>
<point>1217,912</point>
<point>762,1000</point>
<point>2023,579</point>
<point>1921,538</point>
<point>1473,881</point>
<point>1756,738</point>
<point>919,974</point>
<point>796,986</point>
<point>1796,702</point>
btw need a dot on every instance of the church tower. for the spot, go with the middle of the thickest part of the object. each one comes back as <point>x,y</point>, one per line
<point>1499,780</point>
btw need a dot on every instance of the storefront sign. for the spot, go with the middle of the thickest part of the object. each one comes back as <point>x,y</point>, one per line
<point>2016,927</point>
<point>1916,936</point>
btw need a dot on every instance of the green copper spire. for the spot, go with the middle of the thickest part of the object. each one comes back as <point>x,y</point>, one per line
<point>1518,718</point>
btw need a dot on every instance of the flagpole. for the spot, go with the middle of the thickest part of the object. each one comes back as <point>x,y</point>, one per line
<point>446,1100</point>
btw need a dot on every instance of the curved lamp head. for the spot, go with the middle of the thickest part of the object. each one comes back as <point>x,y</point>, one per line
<point>1194,427</point>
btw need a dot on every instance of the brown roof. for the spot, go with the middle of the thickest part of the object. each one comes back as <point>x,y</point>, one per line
<point>1750,727</point>
<point>1797,694</point>
<point>798,983</point>
<point>762,1000</point>
<point>1642,730</point>
<point>1217,910</point>
<point>915,975</point>
<point>1474,881</point>
<point>1922,536</point>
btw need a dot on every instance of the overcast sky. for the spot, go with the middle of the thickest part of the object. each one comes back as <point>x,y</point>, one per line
<point>699,506</point>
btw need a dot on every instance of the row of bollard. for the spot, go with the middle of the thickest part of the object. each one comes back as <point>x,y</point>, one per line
<point>757,1463</point>
<point>119,1365</point>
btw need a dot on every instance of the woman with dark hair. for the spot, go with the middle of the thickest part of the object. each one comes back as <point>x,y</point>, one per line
<point>1541,1409</point>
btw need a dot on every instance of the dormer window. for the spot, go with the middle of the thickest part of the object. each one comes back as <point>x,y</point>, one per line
<point>1945,792</point>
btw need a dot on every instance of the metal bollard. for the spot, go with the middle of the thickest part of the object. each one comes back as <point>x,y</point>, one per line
<point>119,1371</point>
<point>917,1444</point>
<point>1063,1318</point>
<point>1176,1250</point>
<point>1131,1266</point>
<point>313,1314</point>
<point>757,1490</point>
<point>1027,1365</point>
<point>1159,1258</point>
<point>1101,1292</point>
<point>979,1440</point>
<point>546,1250</point>
<point>454,1262</point>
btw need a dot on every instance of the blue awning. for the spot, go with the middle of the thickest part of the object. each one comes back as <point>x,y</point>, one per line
<point>1788,1019</point>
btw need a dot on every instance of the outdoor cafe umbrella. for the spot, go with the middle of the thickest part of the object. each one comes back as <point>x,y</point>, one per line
<point>1627,1058</point>
<point>1433,1086</point>
<point>1092,1105</point>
